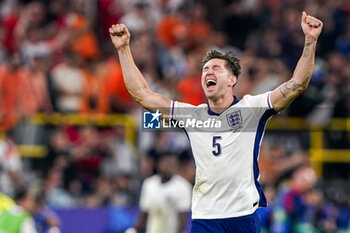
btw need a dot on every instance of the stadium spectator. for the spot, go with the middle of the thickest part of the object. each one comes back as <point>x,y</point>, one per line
<point>18,218</point>
<point>13,88</point>
<point>46,220</point>
<point>291,210</point>
<point>198,27</point>
<point>37,95</point>
<point>101,193</point>
<point>150,160</point>
<point>189,88</point>
<point>5,202</point>
<point>276,165</point>
<point>68,83</point>
<point>173,29</point>
<point>10,167</point>
<point>124,192</point>
<point>82,39</point>
<point>9,20</point>
<point>265,214</point>
<point>57,196</point>
<point>138,18</point>
<point>146,54</point>
<point>343,220</point>
<point>93,98</point>
<point>59,146</point>
<point>109,12</point>
<point>35,35</point>
<point>88,156</point>
<point>122,158</point>
<point>114,91</point>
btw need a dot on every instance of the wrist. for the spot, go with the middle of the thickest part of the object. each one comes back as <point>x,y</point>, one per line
<point>123,49</point>
<point>310,39</point>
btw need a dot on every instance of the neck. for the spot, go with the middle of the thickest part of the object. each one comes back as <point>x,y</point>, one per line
<point>221,104</point>
<point>165,178</point>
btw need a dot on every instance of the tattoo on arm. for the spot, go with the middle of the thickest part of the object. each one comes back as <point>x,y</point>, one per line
<point>282,90</point>
<point>306,81</point>
<point>292,85</point>
<point>307,44</point>
<point>307,51</point>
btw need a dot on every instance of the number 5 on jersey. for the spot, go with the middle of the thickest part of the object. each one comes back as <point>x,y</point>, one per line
<point>216,145</point>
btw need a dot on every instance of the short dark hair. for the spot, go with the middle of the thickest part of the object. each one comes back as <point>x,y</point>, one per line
<point>232,61</point>
<point>21,194</point>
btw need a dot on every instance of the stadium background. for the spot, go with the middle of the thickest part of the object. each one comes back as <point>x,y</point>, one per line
<point>72,134</point>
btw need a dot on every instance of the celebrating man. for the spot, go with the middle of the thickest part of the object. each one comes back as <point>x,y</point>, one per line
<point>227,191</point>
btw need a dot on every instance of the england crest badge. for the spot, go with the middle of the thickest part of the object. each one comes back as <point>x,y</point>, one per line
<point>234,119</point>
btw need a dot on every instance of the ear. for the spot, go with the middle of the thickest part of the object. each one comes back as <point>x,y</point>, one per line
<point>233,80</point>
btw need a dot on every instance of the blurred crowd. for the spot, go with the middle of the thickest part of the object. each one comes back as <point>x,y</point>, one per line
<point>56,56</point>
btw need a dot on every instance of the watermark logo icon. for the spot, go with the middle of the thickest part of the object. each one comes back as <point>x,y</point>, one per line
<point>151,120</point>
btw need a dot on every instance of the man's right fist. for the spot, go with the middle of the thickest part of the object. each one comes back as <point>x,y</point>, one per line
<point>120,35</point>
<point>311,26</point>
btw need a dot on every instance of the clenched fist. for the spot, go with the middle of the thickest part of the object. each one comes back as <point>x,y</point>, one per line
<point>311,26</point>
<point>120,35</point>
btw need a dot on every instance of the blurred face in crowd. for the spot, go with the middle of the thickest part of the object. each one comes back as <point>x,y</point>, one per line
<point>59,140</point>
<point>304,179</point>
<point>167,166</point>
<point>36,12</point>
<point>54,179</point>
<point>38,64</point>
<point>27,203</point>
<point>217,80</point>
<point>14,61</point>
<point>90,136</point>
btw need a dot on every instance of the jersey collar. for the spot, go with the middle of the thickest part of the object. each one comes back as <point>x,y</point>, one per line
<point>210,112</point>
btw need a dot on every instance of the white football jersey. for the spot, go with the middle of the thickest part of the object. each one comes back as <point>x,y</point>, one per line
<point>226,155</point>
<point>164,201</point>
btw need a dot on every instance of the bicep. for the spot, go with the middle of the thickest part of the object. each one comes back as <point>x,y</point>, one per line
<point>154,101</point>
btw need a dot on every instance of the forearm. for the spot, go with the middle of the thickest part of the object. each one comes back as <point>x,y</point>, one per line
<point>304,69</point>
<point>291,89</point>
<point>282,96</point>
<point>133,79</point>
<point>182,220</point>
<point>141,222</point>
<point>302,73</point>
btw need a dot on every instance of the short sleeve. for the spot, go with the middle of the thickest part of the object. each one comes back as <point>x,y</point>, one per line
<point>180,111</point>
<point>184,196</point>
<point>145,197</point>
<point>260,103</point>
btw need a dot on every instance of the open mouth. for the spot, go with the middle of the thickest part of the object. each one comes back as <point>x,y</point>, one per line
<point>211,83</point>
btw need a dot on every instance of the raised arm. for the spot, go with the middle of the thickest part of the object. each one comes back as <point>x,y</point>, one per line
<point>282,96</point>
<point>134,80</point>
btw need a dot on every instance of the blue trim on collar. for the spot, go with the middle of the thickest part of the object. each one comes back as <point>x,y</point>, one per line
<point>210,112</point>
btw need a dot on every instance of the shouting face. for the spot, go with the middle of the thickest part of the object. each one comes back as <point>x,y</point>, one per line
<point>217,80</point>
